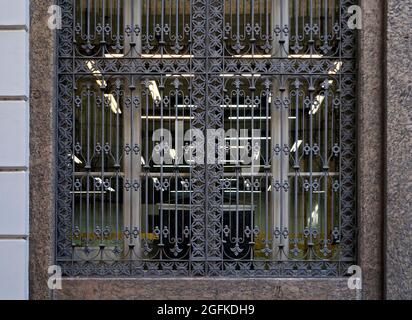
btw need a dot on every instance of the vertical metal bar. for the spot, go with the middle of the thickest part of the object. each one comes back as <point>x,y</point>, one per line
<point>146,165</point>
<point>326,166</point>
<point>311,211</point>
<point>237,162</point>
<point>88,167</point>
<point>175,161</point>
<point>88,22</point>
<point>280,130</point>
<point>191,104</point>
<point>311,40</point>
<point>296,166</point>
<point>101,244</point>
<point>132,131</point>
<point>103,36</point>
<point>162,24</point>
<point>253,174</point>
<point>341,22</point>
<point>177,27</point>
<point>333,141</point>
<point>252,38</point>
<point>118,184</point>
<point>238,23</point>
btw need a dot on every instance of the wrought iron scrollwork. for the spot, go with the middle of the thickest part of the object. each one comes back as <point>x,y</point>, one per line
<point>142,85</point>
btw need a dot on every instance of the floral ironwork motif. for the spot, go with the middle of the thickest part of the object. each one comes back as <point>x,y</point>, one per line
<point>277,77</point>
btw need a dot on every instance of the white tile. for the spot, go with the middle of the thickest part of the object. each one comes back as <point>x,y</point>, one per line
<point>14,12</point>
<point>14,72</point>
<point>14,269</point>
<point>14,138</point>
<point>14,204</point>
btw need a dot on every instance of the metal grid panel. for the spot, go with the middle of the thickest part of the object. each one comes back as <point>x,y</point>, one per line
<point>206,138</point>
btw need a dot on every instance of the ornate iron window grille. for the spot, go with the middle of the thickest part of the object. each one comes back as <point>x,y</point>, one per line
<point>277,76</point>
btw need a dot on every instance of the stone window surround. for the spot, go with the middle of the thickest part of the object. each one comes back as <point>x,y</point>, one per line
<point>370,132</point>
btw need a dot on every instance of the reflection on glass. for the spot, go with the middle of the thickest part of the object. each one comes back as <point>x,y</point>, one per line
<point>132,185</point>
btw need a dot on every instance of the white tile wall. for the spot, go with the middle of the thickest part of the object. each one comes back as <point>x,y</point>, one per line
<point>14,12</point>
<point>14,204</point>
<point>14,134</point>
<point>13,63</point>
<point>14,149</point>
<point>14,269</point>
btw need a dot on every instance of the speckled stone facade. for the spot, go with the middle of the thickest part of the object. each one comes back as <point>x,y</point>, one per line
<point>370,132</point>
<point>206,289</point>
<point>398,139</point>
<point>375,148</point>
<point>42,84</point>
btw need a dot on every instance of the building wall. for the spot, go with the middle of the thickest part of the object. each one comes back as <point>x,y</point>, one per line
<point>370,132</point>
<point>14,148</point>
<point>42,137</point>
<point>398,150</point>
<point>384,193</point>
<point>370,209</point>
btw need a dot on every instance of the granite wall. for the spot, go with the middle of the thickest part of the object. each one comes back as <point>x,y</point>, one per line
<point>206,289</point>
<point>370,132</point>
<point>42,165</point>
<point>384,136</point>
<point>398,150</point>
